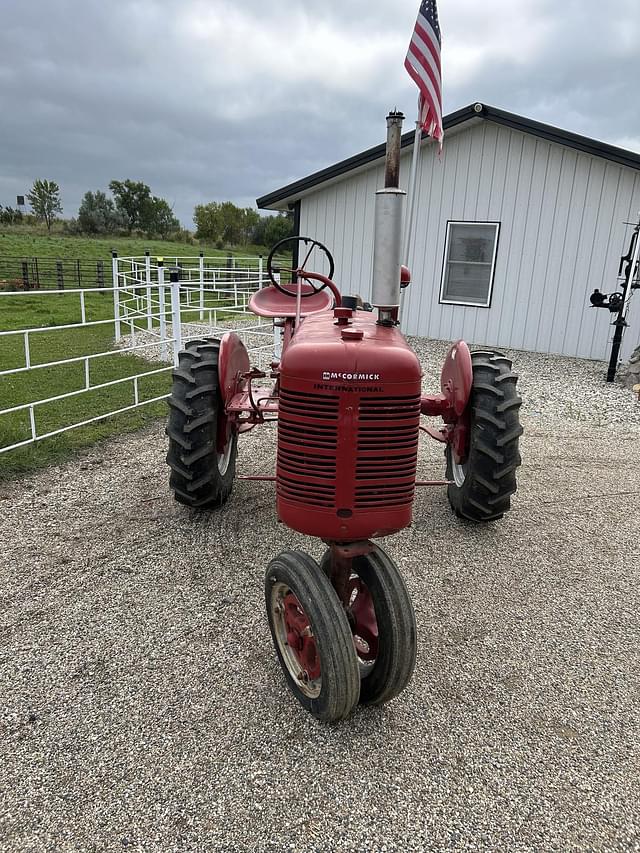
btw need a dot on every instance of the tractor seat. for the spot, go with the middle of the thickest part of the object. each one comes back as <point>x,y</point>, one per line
<point>270,302</point>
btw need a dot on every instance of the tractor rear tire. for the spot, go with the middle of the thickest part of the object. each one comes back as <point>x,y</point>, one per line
<point>390,672</point>
<point>303,607</point>
<point>201,476</point>
<point>482,486</point>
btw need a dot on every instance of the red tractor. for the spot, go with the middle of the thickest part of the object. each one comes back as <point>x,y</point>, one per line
<point>347,396</point>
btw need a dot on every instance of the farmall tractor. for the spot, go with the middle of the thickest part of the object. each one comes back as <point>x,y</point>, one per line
<point>347,396</point>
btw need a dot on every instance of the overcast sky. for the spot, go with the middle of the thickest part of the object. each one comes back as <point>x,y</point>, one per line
<point>212,100</point>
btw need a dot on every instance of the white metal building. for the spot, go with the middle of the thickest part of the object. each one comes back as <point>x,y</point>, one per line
<point>515,226</point>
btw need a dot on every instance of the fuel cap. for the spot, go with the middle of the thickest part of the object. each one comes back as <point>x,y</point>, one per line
<point>352,334</point>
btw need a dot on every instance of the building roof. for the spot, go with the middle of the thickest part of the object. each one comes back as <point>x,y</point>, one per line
<point>473,112</point>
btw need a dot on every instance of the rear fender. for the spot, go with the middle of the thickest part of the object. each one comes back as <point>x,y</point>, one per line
<point>233,362</point>
<point>456,378</point>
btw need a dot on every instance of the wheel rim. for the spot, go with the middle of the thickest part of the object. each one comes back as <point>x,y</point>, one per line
<point>459,471</point>
<point>225,457</point>
<point>364,625</point>
<point>296,641</point>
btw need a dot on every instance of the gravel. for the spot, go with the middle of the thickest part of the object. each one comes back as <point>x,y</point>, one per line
<point>142,706</point>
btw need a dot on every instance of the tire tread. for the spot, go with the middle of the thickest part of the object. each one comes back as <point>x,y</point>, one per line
<point>193,414</point>
<point>485,494</point>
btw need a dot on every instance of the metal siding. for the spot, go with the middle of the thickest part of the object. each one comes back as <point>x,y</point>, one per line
<point>595,327</point>
<point>632,338</point>
<point>537,276</point>
<point>428,250</point>
<point>557,320</point>
<point>508,259</point>
<point>561,215</point>
<point>570,337</point>
<point>462,321</point>
<point>488,208</point>
<point>417,298</point>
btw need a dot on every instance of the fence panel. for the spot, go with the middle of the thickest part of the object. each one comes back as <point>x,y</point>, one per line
<point>149,311</point>
<point>29,273</point>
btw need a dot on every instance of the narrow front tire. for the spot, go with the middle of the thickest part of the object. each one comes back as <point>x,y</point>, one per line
<point>311,636</point>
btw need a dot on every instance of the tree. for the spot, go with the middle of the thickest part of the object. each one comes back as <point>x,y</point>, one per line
<point>271,229</point>
<point>139,209</point>
<point>158,217</point>
<point>9,215</point>
<point>206,218</point>
<point>44,199</point>
<point>98,214</point>
<point>132,201</point>
<point>226,222</point>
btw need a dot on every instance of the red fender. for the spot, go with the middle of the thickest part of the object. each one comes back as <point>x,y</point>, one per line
<point>456,378</point>
<point>233,361</point>
<point>452,404</point>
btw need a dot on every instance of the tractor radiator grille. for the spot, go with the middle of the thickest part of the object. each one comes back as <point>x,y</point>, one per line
<point>387,451</point>
<point>307,443</point>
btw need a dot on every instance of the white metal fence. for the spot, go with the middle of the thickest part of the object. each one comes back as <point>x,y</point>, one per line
<point>156,306</point>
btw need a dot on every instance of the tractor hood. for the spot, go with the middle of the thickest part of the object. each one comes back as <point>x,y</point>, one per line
<point>349,351</point>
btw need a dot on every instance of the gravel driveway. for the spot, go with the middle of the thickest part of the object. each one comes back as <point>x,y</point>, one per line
<point>142,706</point>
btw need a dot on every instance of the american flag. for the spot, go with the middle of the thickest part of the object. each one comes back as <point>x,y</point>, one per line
<point>423,64</point>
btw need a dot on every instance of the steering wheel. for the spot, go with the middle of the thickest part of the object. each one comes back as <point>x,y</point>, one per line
<point>300,271</point>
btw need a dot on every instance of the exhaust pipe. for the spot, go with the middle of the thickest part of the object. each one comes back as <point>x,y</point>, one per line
<point>387,245</point>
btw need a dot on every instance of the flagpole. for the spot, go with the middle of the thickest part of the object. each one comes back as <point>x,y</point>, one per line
<point>411,197</point>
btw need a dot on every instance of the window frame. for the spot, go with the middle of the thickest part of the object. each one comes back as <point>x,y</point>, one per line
<point>445,261</point>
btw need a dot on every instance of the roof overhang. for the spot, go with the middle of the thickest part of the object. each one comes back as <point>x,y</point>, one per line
<point>281,198</point>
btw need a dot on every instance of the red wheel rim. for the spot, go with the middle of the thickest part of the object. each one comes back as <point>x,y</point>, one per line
<point>300,637</point>
<point>362,618</point>
<point>224,442</point>
<point>460,437</point>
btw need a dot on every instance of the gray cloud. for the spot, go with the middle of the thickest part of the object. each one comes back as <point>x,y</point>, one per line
<point>215,100</point>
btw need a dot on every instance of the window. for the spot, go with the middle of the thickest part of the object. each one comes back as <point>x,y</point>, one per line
<point>469,261</point>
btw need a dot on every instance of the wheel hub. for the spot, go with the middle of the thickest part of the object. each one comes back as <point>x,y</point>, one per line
<point>224,443</point>
<point>362,618</point>
<point>296,641</point>
<point>225,457</point>
<point>300,637</point>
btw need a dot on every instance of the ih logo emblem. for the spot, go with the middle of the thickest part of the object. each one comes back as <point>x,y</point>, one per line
<point>358,377</point>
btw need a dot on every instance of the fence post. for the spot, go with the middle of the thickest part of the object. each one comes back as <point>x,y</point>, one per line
<point>174,278</point>
<point>25,276</point>
<point>100,273</point>
<point>78,271</point>
<point>161,310</point>
<point>201,264</point>
<point>260,272</point>
<point>116,294</point>
<point>37,272</point>
<point>147,278</point>
<point>60,275</point>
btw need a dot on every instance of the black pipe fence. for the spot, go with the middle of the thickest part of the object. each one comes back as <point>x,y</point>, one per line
<point>25,273</point>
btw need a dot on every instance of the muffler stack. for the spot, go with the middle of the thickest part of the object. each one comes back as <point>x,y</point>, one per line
<point>387,247</point>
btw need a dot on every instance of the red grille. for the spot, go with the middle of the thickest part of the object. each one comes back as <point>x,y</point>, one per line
<point>307,442</point>
<point>387,451</point>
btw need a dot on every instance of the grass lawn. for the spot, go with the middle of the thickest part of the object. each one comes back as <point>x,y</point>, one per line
<point>16,242</point>
<point>33,310</point>
<point>59,308</point>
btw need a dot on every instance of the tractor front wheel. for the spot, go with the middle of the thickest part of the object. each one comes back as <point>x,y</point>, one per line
<point>383,625</point>
<point>202,445</point>
<point>484,480</point>
<point>311,636</point>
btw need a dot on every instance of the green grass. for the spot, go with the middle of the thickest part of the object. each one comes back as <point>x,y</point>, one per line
<point>60,308</point>
<point>34,310</point>
<point>19,242</point>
